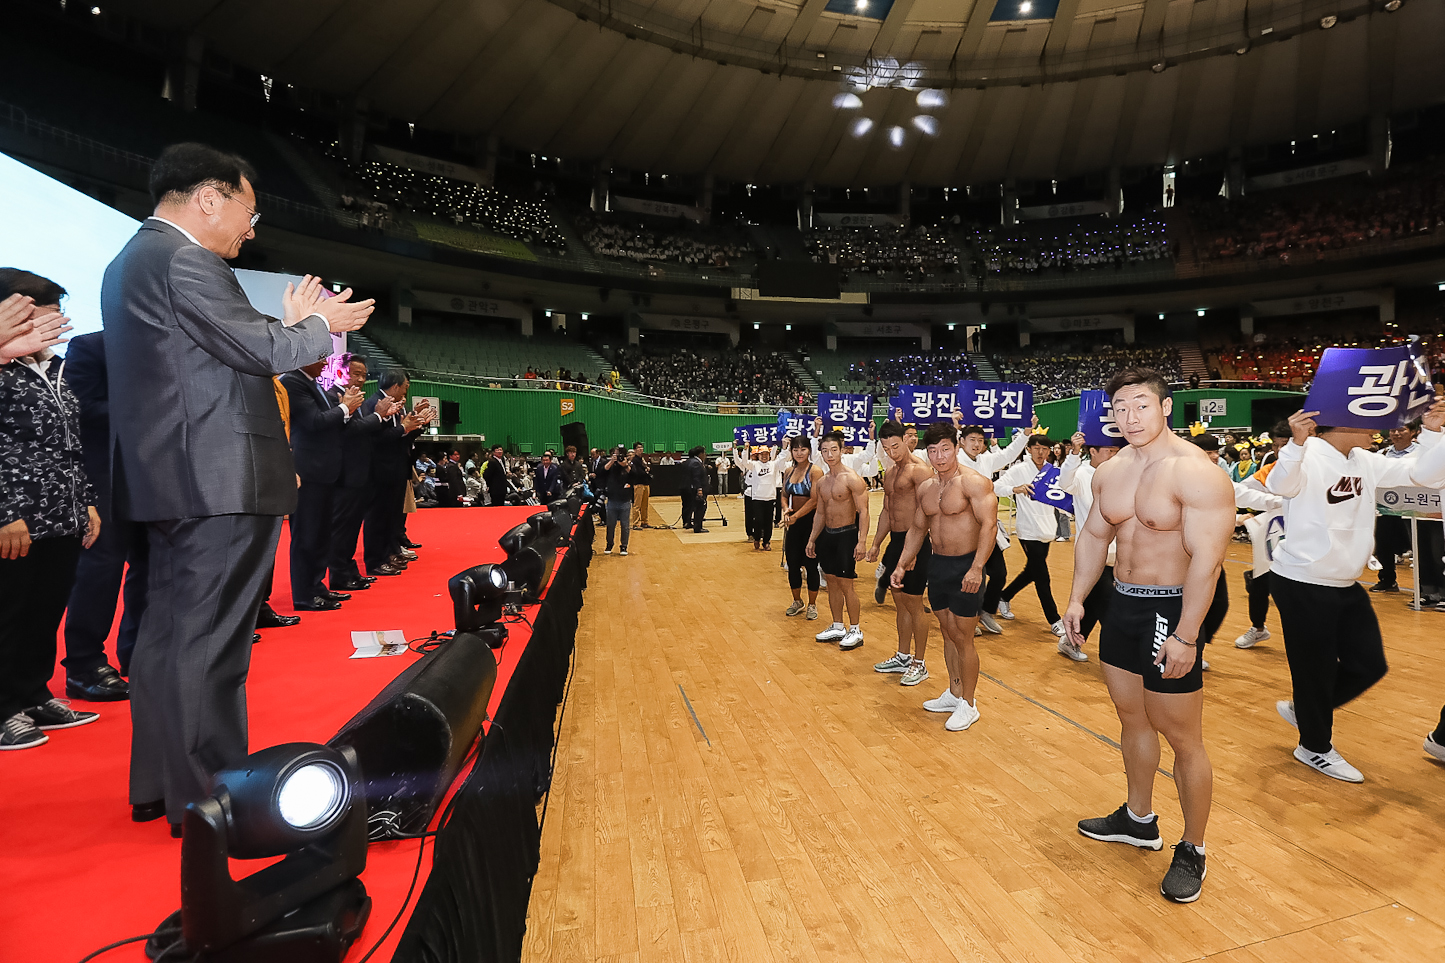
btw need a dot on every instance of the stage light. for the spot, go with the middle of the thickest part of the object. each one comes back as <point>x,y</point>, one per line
<point>95,11</point>
<point>861,5</point>
<point>861,126</point>
<point>478,595</point>
<point>1393,5</point>
<point>300,800</point>
<point>895,136</point>
<point>846,101</point>
<point>1158,68</point>
<point>927,124</point>
<point>1161,315</point>
<point>1200,312</point>
<point>1328,21</point>
<point>950,326</point>
<point>757,326</point>
<point>929,99</point>
<point>1026,7</point>
<point>585,315</point>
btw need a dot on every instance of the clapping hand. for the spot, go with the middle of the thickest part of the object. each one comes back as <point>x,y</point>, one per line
<point>300,300</point>
<point>43,332</point>
<point>15,317</point>
<point>352,399</point>
<point>343,314</point>
<point>385,407</point>
<point>412,422</point>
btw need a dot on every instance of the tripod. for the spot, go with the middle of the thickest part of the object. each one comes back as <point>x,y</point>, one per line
<point>706,518</point>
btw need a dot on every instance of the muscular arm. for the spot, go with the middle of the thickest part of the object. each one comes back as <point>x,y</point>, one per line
<point>1207,516</point>
<point>984,505</point>
<point>917,531</point>
<point>860,502</point>
<point>818,517</point>
<point>884,524</point>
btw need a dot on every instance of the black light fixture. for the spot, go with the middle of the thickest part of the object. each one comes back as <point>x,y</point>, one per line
<point>478,598</point>
<point>300,800</point>
<point>529,562</point>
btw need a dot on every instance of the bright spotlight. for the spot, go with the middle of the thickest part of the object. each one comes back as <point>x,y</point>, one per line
<point>847,101</point>
<point>926,123</point>
<point>861,126</point>
<point>1200,312</point>
<point>895,136</point>
<point>1328,21</point>
<point>929,99</point>
<point>1393,5</point>
<point>1026,7</point>
<point>311,795</point>
<point>861,5</point>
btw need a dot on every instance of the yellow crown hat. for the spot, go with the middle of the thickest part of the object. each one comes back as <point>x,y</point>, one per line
<point>1197,429</point>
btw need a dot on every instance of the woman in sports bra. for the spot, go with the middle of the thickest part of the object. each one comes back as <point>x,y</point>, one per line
<point>800,498</point>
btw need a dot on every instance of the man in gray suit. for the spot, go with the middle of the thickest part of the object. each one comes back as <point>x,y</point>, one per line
<point>199,454</point>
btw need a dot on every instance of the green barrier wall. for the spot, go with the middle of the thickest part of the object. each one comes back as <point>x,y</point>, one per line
<point>522,417</point>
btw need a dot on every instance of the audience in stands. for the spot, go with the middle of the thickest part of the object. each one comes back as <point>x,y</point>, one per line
<point>913,252</point>
<point>636,239</point>
<point>1058,375</point>
<point>941,366</point>
<point>1080,246</point>
<point>744,377</point>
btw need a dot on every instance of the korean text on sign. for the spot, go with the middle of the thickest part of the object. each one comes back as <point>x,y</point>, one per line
<point>1043,490</point>
<point>1001,404</point>
<point>1374,388</point>
<point>850,414</point>
<point>924,405</point>
<point>755,434</point>
<point>1096,419</point>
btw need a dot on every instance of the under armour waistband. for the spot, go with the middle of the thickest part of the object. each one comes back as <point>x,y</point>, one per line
<point>1148,591</point>
<point>840,531</point>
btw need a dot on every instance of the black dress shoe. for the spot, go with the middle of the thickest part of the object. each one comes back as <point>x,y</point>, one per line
<point>318,604</point>
<point>255,637</point>
<point>397,562</point>
<point>102,685</point>
<point>176,831</point>
<point>147,812</point>
<point>268,618</point>
<point>407,555</point>
<point>338,596</point>
<point>408,543</point>
<point>368,579</point>
<point>386,568</point>
<point>350,587</point>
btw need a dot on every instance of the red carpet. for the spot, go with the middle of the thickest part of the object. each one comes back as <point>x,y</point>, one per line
<point>79,874</point>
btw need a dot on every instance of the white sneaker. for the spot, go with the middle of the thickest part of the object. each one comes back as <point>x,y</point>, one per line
<point>944,703</point>
<point>624,553</point>
<point>1004,612</point>
<point>607,551</point>
<point>812,612</point>
<point>918,672</point>
<point>1251,638</point>
<point>851,639</point>
<point>977,631</point>
<point>793,609</point>
<point>894,663</point>
<point>1058,628</point>
<point>1331,763</point>
<point>1203,665</point>
<point>1285,708</point>
<point>832,633</point>
<point>963,717</point>
<point>987,621</point>
<point>1071,651</point>
<point>1434,748</point>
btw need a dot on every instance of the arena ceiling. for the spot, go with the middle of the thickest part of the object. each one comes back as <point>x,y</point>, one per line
<point>939,92</point>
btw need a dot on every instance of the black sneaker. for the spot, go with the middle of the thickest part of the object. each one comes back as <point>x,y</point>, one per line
<point>1186,875</point>
<point>56,714</point>
<point>1385,587</point>
<point>19,732</point>
<point>1120,827</point>
<point>880,592</point>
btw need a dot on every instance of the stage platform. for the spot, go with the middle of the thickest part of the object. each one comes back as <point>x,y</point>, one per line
<point>82,875</point>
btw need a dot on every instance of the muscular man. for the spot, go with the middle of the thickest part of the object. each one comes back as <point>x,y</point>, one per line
<point>1171,513</point>
<point>840,531</point>
<point>958,512</point>
<point>975,454</point>
<point>900,504</point>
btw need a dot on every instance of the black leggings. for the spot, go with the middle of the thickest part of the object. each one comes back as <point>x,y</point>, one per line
<point>795,551</point>
<point>995,570</point>
<point>1257,587</point>
<point>757,516</point>
<point>1036,570</point>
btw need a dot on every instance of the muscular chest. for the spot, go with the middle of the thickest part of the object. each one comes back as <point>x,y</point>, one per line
<point>1143,497</point>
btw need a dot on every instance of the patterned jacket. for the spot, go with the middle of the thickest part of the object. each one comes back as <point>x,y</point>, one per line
<point>42,476</point>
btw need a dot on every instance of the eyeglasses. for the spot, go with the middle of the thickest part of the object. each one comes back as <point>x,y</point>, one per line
<point>254,216</point>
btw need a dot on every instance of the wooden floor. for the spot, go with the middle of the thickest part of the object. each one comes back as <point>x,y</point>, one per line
<point>813,811</point>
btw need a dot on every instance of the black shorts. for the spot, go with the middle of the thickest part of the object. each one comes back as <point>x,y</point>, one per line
<point>835,548</point>
<point>1137,622</point>
<point>915,580</point>
<point>945,585</point>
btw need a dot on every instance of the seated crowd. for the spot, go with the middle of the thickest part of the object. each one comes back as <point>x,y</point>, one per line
<point>638,239</point>
<point>1056,374</point>
<point>743,377</point>
<point>912,252</point>
<point>941,366</point>
<point>1080,246</point>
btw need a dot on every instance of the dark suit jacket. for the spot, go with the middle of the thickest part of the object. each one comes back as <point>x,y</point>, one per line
<point>317,421</point>
<point>194,424</point>
<point>391,457</point>
<point>85,373</point>
<point>695,473</point>
<point>549,483</point>
<point>494,476</point>
<point>358,444</point>
<point>451,473</point>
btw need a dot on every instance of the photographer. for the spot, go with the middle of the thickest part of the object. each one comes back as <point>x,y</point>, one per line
<point>615,477</point>
<point>641,486</point>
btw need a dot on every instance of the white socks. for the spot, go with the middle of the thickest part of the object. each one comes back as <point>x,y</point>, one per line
<point>836,625</point>
<point>1139,819</point>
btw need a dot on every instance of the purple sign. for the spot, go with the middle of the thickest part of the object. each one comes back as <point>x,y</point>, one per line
<point>999,404</point>
<point>755,434</point>
<point>1096,419</point>
<point>924,404</point>
<point>790,425</point>
<point>1045,492</point>
<point>850,414</point>
<point>1373,388</point>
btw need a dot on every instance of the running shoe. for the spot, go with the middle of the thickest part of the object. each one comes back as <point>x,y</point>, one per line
<point>1330,763</point>
<point>880,591</point>
<point>1004,612</point>
<point>987,621</point>
<point>57,714</point>
<point>607,551</point>
<point>944,703</point>
<point>1385,587</point>
<point>1185,878</point>
<point>832,633</point>
<point>812,612</point>
<point>795,608</point>
<point>1058,628</point>
<point>1434,748</point>
<point>1285,708</point>
<point>1071,651</point>
<point>1251,637</point>
<point>917,672</point>
<point>897,662</point>
<point>963,717</point>
<point>1120,827</point>
<point>851,639</point>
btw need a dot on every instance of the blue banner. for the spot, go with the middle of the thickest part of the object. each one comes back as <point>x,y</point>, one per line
<point>998,404</point>
<point>1045,492</point>
<point>790,424</point>
<point>1096,419</point>
<point>850,414</point>
<point>1374,388</point>
<point>924,404</point>
<point>755,435</point>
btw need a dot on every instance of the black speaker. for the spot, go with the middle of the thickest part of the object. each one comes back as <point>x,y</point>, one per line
<point>451,413</point>
<point>574,433</point>
<point>413,737</point>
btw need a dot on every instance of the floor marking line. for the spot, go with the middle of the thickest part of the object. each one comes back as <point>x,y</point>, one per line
<point>694,714</point>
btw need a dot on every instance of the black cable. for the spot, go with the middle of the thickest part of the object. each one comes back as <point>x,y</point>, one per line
<point>110,946</point>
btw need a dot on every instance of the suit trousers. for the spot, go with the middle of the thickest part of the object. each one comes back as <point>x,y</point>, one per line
<point>350,504</point>
<point>311,529</point>
<point>381,538</point>
<point>640,495</point>
<point>118,554</point>
<point>33,593</point>
<point>188,677</point>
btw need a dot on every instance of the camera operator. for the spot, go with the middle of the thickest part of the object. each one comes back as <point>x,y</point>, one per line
<point>616,477</point>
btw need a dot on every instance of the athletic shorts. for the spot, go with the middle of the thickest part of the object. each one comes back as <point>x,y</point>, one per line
<point>915,580</point>
<point>945,585</point>
<point>1138,620</point>
<point>835,549</point>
